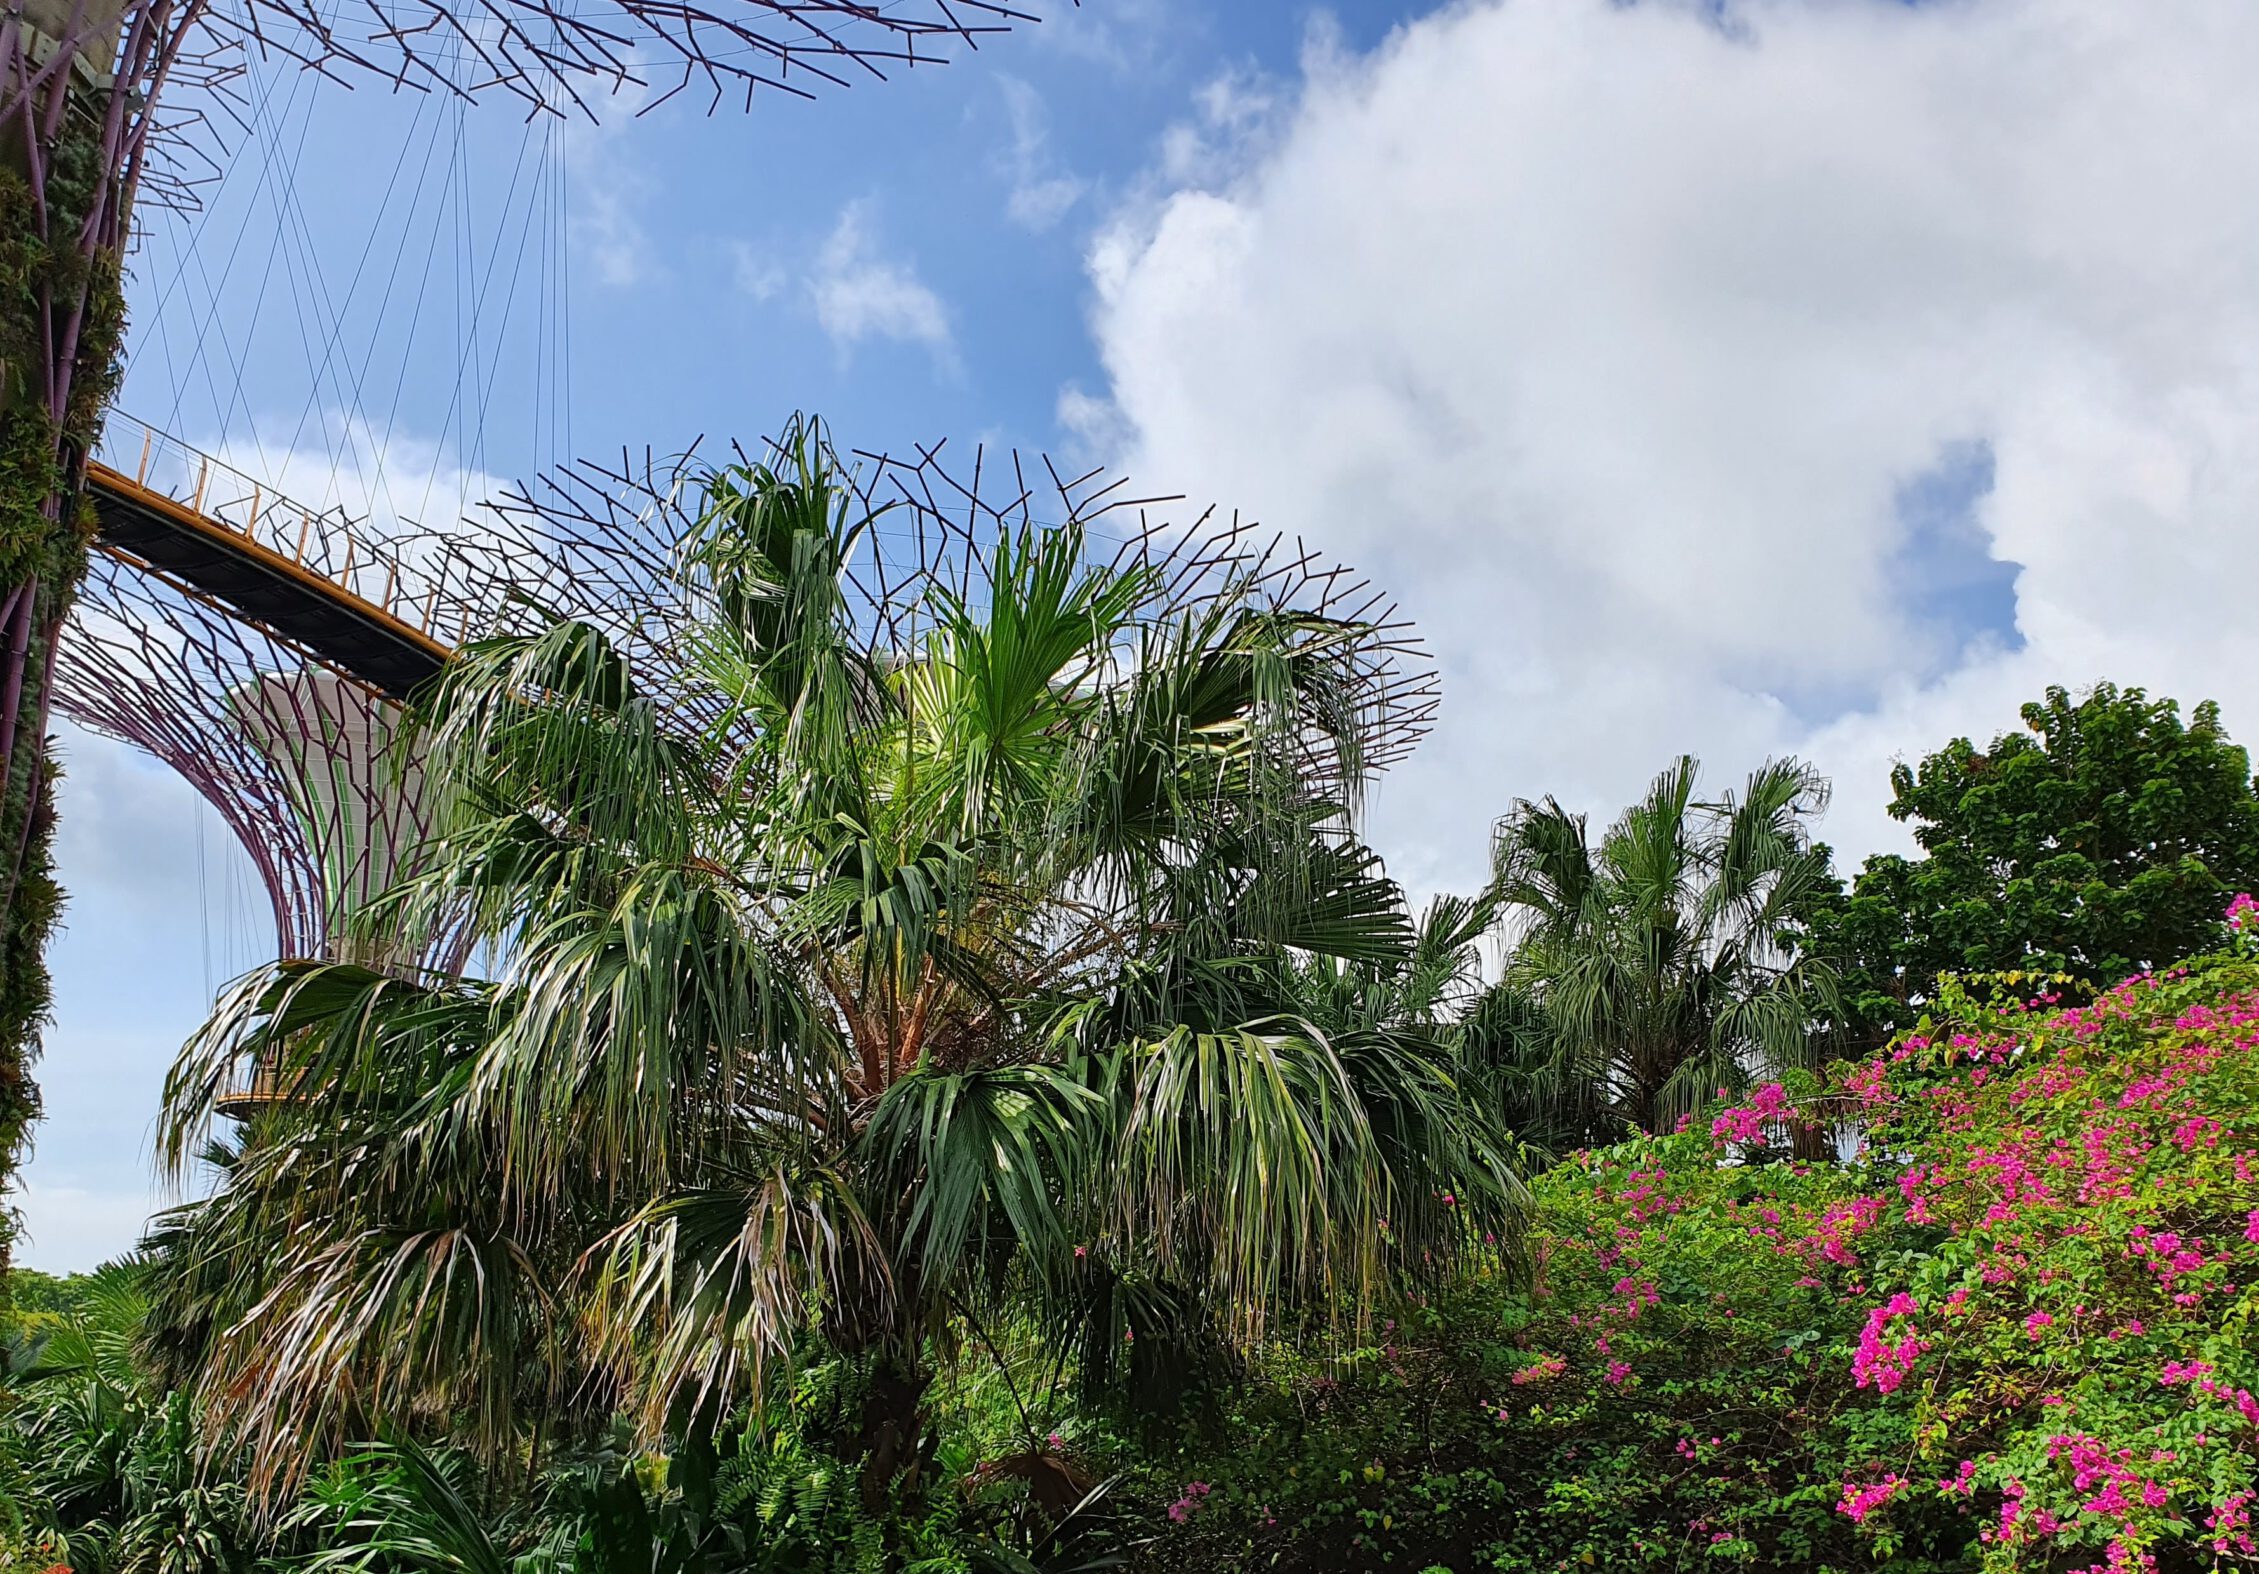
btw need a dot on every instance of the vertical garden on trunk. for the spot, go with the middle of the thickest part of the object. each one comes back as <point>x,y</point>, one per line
<point>64,215</point>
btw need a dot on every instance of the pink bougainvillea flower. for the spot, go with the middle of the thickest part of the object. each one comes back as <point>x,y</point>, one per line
<point>1883,1361</point>
<point>1862,1498</point>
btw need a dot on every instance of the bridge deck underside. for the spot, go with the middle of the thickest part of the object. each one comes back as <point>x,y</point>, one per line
<point>311,612</point>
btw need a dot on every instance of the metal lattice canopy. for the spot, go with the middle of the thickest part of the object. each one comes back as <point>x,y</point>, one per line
<point>182,63</point>
<point>600,538</point>
<point>557,54</point>
<point>293,748</point>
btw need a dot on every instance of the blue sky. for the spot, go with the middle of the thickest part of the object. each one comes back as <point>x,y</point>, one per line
<point>1811,380</point>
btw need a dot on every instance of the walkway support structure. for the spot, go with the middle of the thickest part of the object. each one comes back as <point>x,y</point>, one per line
<point>352,595</point>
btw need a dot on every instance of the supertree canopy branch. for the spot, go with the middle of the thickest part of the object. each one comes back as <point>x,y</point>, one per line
<point>553,56</point>
<point>601,542</point>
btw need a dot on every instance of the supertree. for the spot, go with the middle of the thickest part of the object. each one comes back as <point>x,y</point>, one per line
<point>103,100</point>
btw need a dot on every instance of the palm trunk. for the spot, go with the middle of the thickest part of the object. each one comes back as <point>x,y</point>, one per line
<point>895,1447</point>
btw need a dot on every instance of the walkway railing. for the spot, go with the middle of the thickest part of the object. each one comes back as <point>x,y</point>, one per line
<point>293,569</point>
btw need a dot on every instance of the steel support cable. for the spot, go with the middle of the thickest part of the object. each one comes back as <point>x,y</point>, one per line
<point>179,371</point>
<point>203,217</point>
<point>192,263</point>
<point>560,301</point>
<point>485,389</point>
<point>284,244</point>
<point>278,169</point>
<point>338,315</point>
<point>536,202</point>
<point>459,235</point>
<point>565,292</point>
<point>430,252</point>
<point>269,153</point>
<point>380,486</point>
<point>543,328</point>
<point>467,338</point>
<point>203,899</point>
<point>313,296</point>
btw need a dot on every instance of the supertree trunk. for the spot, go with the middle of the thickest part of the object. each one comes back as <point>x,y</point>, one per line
<point>76,77</point>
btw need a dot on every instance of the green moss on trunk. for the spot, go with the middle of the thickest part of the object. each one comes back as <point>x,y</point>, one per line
<point>46,283</point>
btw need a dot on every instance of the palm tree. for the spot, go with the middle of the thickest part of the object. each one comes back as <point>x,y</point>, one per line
<point>856,986</point>
<point>1659,967</point>
<point>1429,1004</point>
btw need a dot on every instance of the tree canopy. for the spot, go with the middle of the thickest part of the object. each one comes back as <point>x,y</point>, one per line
<point>1658,966</point>
<point>2103,840</point>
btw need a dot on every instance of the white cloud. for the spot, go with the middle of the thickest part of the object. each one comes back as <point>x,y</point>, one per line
<point>860,294</point>
<point>1040,195</point>
<point>1235,114</point>
<point>1609,337</point>
<point>415,494</point>
<point>400,482</point>
<point>755,272</point>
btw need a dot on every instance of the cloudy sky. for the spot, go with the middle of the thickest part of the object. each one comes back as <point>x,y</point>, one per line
<point>1738,377</point>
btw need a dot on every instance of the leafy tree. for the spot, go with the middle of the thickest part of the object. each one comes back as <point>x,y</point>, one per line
<point>2106,841</point>
<point>27,1294</point>
<point>936,976</point>
<point>1659,966</point>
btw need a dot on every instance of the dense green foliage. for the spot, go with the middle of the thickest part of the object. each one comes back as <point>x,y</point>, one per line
<point>2102,841</point>
<point>103,1468</point>
<point>35,1296</point>
<point>2010,1331</point>
<point>51,293</point>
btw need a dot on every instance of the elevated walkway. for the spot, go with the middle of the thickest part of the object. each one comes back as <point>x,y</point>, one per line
<point>363,608</point>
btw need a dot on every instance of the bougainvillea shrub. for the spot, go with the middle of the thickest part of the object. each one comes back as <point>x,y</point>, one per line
<point>2060,1292</point>
<point>2009,1326</point>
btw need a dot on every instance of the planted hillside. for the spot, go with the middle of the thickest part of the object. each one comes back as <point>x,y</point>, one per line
<point>2012,1332</point>
<point>1277,1233</point>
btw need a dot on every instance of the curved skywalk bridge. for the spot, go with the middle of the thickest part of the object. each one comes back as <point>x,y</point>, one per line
<point>376,611</point>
